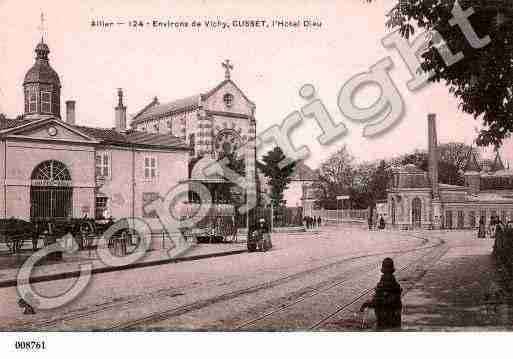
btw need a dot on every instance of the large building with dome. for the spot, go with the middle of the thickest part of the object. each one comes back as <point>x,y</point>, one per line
<point>54,167</point>
<point>416,199</point>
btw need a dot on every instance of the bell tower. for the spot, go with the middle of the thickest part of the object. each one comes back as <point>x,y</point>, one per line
<point>42,86</point>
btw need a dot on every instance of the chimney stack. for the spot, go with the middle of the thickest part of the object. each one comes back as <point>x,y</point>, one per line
<point>70,112</point>
<point>433,155</point>
<point>120,113</point>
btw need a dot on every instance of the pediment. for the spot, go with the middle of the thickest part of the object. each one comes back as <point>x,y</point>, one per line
<point>240,104</point>
<point>49,130</point>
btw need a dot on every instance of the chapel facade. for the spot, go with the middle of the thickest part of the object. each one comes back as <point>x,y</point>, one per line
<point>215,124</point>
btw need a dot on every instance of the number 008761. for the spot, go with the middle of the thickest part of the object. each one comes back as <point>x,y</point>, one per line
<point>30,345</point>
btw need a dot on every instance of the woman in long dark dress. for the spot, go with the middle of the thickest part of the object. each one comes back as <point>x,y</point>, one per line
<point>481,232</point>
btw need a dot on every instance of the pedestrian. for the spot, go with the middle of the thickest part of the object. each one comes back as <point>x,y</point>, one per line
<point>509,225</point>
<point>381,222</point>
<point>481,232</point>
<point>319,220</point>
<point>369,221</point>
<point>499,227</point>
<point>386,301</point>
<point>491,226</point>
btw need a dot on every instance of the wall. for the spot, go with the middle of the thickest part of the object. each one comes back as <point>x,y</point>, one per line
<point>23,156</point>
<point>172,167</point>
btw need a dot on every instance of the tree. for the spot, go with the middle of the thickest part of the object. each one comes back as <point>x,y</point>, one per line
<point>483,80</point>
<point>336,176</point>
<point>452,160</point>
<point>379,181</point>
<point>279,178</point>
<point>456,153</point>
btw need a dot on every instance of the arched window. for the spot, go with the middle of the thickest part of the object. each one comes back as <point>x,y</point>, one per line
<point>51,191</point>
<point>228,99</point>
<point>50,173</point>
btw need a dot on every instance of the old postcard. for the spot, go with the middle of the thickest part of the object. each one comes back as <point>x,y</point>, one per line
<point>259,166</point>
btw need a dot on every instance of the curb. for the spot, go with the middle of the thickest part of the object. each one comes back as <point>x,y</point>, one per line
<point>65,275</point>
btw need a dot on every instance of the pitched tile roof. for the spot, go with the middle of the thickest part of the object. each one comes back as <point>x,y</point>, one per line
<point>132,137</point>
<point>155,109</point>
<point>497,164</point>
<point>145,138</point>
<point>102,134</point>
<point>6,123</point>
<point>111,136</point>
<point>472,164</point>
<point>185,104</point>
<point>303,173</point>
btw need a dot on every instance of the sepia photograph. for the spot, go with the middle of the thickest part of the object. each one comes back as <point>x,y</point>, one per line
<point>275,175</point>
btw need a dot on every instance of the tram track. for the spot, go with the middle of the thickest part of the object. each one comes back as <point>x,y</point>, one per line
<point>370,269</point>
<point>346,306</point>
<point>142,299</point>
<point>162,295</point>
<point>177,311</point>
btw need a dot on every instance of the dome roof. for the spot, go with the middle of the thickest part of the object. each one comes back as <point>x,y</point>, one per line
<point>42,47</point>
<point>42,72</point>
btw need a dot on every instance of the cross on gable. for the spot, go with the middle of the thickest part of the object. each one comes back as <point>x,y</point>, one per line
<point>227,67</point>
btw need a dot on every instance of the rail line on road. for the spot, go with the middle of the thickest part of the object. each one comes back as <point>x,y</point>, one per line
<point>177,311</point>
<point>162,315</point>
<point>367,269</point>
<point>367,291</point>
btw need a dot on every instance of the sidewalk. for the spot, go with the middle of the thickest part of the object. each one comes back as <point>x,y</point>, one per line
<point>70,265</point>
<point>462,291</point>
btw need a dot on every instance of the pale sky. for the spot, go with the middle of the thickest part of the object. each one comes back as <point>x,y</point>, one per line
<point>270,64</point>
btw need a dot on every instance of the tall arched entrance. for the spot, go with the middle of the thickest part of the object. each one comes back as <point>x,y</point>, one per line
<point>416,206</point>
<point>51,191</point>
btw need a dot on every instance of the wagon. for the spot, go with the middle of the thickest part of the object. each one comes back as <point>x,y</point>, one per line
<point>13,232</point>
<point>259,239</point>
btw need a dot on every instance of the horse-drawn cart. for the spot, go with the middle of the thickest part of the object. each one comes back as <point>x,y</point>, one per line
<point>13,232</point>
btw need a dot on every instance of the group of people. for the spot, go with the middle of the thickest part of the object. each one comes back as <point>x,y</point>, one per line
<point>495,224</point>
<point>380,223</point>
<point>312,222</point>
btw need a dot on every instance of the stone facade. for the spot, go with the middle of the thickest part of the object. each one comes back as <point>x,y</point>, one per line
<point>218,122</point>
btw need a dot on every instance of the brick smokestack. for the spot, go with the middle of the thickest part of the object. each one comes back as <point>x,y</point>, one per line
<point>70,112</point>
<point>120,113</point>
<point>433,155</point>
